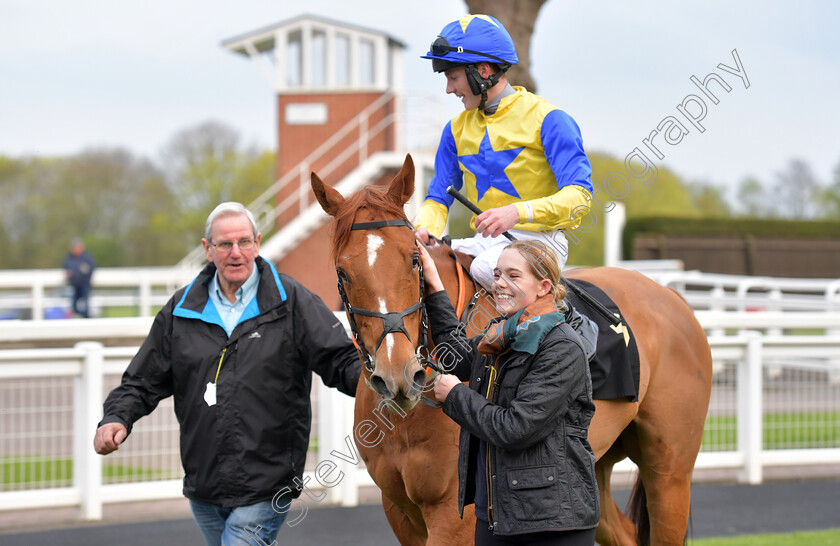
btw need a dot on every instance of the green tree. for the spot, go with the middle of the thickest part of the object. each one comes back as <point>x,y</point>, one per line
<point>753,199</point>
<point>128,212</point>
<point>667,195</point>
<point>709,199</point>
<point>829,198</point>
<point>797,190</point>
<point>205,165</point>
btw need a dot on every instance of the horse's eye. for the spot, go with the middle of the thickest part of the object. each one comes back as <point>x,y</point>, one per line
<point>342,276</point>
<point>415,261</point>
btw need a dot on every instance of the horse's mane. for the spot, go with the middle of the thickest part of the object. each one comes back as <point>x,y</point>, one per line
<point>369,197</point>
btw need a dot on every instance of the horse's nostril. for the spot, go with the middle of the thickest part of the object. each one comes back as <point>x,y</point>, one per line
<point>378,384</point>
<point>419,381</point>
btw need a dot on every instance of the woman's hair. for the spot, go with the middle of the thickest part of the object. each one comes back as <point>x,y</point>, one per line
<point>543,264</point>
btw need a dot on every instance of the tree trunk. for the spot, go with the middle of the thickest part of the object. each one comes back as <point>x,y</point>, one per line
<point>519,17</point>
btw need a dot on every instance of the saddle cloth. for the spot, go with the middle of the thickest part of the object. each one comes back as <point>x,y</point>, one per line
<point>615,366</point>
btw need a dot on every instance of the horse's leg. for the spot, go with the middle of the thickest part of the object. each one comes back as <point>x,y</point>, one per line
<point>664,446</point>
<point>665,467</point>
<point>610,419</point>
<point>446,527</point>
<point>614,528</point>
<point>403,524</point>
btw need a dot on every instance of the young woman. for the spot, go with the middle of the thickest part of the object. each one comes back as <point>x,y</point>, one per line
<point>524,459</point>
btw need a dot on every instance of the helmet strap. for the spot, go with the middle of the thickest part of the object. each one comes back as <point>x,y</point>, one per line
<point>480,85</point>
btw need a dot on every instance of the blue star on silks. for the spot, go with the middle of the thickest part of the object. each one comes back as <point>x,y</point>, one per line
<point>488,166</point>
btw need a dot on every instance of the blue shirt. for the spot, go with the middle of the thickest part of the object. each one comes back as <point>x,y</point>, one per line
<point>232,312</point>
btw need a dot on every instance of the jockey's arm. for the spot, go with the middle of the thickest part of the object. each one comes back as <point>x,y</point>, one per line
<point>431,218</point>
<point>562,210</point>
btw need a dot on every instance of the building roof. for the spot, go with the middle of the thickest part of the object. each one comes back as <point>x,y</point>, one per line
<point>263,38</point>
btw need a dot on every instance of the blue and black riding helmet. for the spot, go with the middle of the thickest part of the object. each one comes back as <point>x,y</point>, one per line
<point>470,40</point>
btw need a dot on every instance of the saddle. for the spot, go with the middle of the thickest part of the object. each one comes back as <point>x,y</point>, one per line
<point>615,366</point>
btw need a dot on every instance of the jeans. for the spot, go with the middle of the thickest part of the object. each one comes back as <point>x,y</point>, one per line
<point>80,300</point>
<point>253,525</point>
<point>485,537</point>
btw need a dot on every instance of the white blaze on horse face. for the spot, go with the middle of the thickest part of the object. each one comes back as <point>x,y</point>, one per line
<point>373,244</point>
<point>389,339</point>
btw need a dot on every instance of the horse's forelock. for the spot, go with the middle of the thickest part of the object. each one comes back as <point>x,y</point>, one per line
<point>369,198</point>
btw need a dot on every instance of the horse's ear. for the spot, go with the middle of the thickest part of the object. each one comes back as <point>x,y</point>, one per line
<point>402,187</point>
<point>328,197</point>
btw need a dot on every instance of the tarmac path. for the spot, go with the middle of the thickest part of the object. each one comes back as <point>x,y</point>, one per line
<point>717,510</point>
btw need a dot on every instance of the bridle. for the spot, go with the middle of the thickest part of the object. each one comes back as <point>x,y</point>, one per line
<point>391,322</point>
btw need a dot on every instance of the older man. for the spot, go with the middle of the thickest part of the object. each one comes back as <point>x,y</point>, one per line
<point>235,349</point>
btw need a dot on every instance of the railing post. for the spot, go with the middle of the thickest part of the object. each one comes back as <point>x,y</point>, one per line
<point>350,484</point>
<point>327,426</point>
<point>145,297</point>
<point>37,299</point>
<point>613,229</point>
<point>87,409</point>
<point>750,410</point>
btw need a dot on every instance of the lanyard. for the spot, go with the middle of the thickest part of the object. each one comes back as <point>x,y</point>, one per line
<point>216,380</point>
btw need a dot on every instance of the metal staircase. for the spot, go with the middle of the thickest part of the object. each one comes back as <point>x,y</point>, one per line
<point>416,122</point>
<point>289,236</point>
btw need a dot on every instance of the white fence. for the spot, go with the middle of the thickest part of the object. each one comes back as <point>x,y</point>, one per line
<point>32,293</point>
<point>720,292</point>
<point>768,390</point>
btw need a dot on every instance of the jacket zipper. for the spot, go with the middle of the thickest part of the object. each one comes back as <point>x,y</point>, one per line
<point>492,384</point>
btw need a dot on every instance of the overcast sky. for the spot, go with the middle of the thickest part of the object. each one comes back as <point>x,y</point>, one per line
<point>101,73</point>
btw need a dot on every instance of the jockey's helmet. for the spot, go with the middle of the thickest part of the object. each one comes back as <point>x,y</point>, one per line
<point>470,40</point>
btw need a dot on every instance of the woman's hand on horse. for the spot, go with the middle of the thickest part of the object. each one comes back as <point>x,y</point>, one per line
<point>494,222</point>
<point>423,235</point>
<point>443,384</point>
<point>430,272</point>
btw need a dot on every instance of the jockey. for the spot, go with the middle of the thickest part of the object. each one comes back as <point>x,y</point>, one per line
<point>520,159</point>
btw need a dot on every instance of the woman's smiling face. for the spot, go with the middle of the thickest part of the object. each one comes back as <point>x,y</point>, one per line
<point>515,286</point>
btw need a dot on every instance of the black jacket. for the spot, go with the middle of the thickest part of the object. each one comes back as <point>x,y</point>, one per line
<point>252,443</point>
<point>541,467</point>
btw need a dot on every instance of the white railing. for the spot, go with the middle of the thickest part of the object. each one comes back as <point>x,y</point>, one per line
<point>50,402</point>
<point>721,292</point>
<point>29,293</point>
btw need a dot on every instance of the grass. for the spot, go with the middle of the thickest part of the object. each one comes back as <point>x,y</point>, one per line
<point>29,471</point>
<point>781,431</point>
<point>120,312</point>
<point>799,538</point>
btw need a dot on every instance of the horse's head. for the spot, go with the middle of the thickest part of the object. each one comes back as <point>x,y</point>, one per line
<point>380,279</point>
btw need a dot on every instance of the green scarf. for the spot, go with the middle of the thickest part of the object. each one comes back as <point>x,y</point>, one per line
<point>524,330</point>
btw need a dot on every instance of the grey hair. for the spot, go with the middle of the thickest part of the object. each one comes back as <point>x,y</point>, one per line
<point>230,208</point>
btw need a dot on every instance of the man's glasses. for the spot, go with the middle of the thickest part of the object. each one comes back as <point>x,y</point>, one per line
<point>440,47</point>
<point>227,246</point>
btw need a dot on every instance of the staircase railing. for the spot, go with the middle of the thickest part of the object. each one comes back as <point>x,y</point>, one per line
<point>266,214</point>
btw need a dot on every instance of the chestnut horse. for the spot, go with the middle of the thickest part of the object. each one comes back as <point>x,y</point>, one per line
<point>412,455</point>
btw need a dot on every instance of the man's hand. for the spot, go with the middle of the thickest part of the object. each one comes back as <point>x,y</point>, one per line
<point>494,222</point>
<point>109,437</point>
<point>424,236</point>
